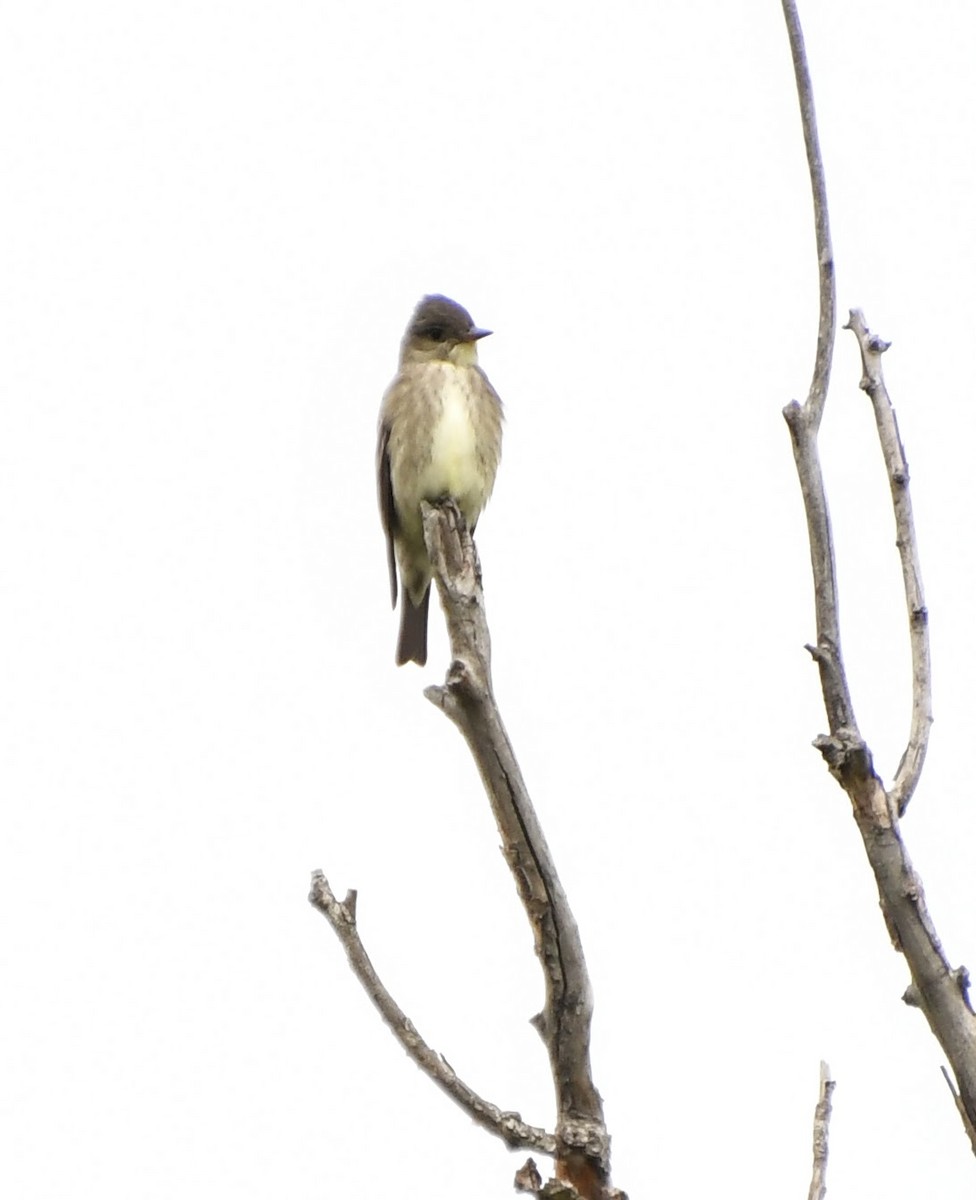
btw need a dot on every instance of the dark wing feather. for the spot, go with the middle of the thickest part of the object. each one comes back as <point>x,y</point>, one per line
<point>384,485</point>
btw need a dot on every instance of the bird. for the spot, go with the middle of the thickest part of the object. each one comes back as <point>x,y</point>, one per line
<point>440,436</point>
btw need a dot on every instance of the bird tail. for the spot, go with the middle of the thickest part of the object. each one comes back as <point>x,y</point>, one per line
<point>412,643</point>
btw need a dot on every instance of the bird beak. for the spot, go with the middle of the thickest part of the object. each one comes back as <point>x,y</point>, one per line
<point>475,334</point>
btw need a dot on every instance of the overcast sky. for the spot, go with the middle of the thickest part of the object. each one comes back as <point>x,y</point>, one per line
<point>215,219</point>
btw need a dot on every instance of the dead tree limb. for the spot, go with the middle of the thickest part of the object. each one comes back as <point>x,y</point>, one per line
<point>872,382</point>
<point>582,1142</point>
<point>940,991</point>
<point>509,1126</point>
<point>804,420</point>
<point>817,396</point>
<point>821,1131</point>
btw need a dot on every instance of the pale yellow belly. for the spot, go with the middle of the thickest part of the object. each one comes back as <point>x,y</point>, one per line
<point>454,468</point>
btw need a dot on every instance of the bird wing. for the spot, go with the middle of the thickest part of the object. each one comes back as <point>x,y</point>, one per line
<point>384,486</point>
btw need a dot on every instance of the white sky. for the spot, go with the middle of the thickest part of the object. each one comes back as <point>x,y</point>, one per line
<point>214,222</point>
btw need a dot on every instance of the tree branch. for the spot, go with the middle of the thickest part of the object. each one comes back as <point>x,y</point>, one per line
<point>804,421</point>
<point>872,382</point>
<point>509,1126</point>
<point>821,1130</point>
<point>825,256</point>
<point>583,1145</point>
<point>936,988</point>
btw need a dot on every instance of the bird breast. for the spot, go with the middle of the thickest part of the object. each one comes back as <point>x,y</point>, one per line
<point>455,467</point>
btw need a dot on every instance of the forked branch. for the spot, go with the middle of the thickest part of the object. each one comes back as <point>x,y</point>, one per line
<point>940,991</point>
<point>583,1145</point>
<point>509,1126</point>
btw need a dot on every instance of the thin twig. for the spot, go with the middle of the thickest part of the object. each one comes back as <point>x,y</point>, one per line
<point>509,1126</point>
<point>821,1131</point>
<point>825,256</point>
<point>583,1145</point>
<point>872,382</point>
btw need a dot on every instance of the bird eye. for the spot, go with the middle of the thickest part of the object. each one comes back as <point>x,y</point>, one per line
<point>435,333</point>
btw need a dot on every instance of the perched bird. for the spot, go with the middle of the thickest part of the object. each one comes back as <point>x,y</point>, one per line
<point>440,435</point>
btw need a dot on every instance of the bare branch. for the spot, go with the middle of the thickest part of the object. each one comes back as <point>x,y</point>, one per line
<point>821,1130</point>
<point>827,652</point>
<point>872,382</point>
<point>938,990</point>
<point>509,1126</point>
<point>583,1145</point>
<point>825,256</point>
<point>804,421</point>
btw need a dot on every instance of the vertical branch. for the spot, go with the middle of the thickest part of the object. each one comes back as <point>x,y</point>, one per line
<point>804,421</point>
<point>582,1141</point>
<point>940,991</point>
<point>825,256</point>
<point>872,382</point>
<point>821,1130</point>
